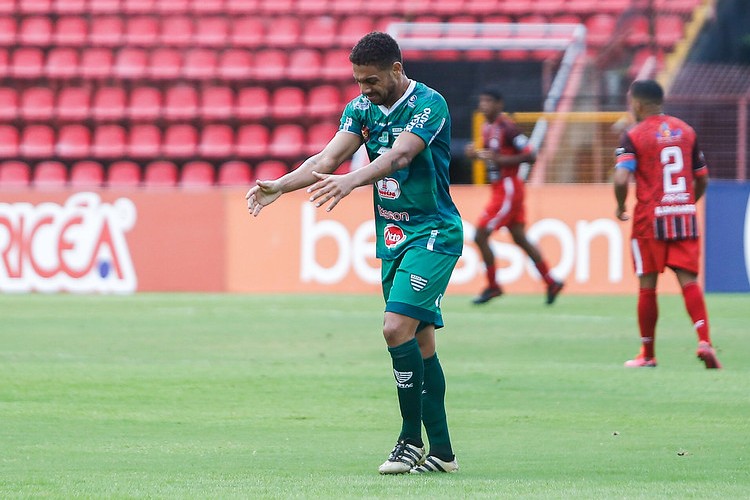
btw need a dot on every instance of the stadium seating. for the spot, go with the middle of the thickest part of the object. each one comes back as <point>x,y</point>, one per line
<point>160,174</point>
<point>14,174</point>
<point>253,103</point>
<point>62,63</point>
<point>217,141</point>
<point>270,169</point>
<point>181,103</point>
<point>109,104</point>
<point>37,141</point>
<point>197,174</point>
<point>123,174</point>
<point>109,142</point>
<point>9,141</point>
<point>86,174</point>
<point>49,174</point>
<point>145,104</point>
<point>234,173</point>
<point>37,104</point>
<point>8,103</point>
<point>252,141</point>
<point>71,31</point>
<point>180,141</point>
<point>144,141</point>
<point>73,141</point>
<point>287,141</point>
<point>73,104</point>
<point>217,103</point>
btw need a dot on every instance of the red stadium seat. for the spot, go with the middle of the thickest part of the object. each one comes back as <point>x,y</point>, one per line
<point>144,141</point>
<point>160,174</point>
<point>62,63</point>
<point>141,31</point>
<point>253,103</point>
<point>285,33</point>
<point>548,7</point>
<point>96,63</point>
<point>235,64</point>
<point>324,101</point>
<point>247,32</point>
<point>252,141</point>
<point>319,32</point>
<point>35,30</point>
<point>197,174</point>
<point>37,104</point>
<point>109,141</point>
<point>638,31</point>
<point>9,141</point>
<point>314,7</point>
<point>49,175</point>
<point>271,65</point>
<point>304,65</point>
<point>270,170</point>
<point>234,173</point>
<point>352,28</point>
<point>8,103</point>
<point>386,7</point>
<point>217,103</point>
<point>173,7</point>
<point>131,63</point>
<point>73,141</point>
<point>14,174</point>
<point>138,6</point>
<point>100,7</point>
<point>336,65</point>
<point>319,135</point>
<point>480,7</point>
<point>342,9</point>
<point>106,31</point>
<point>34,6</point>
<point>202,7</point>
<point>200,64</point>
<point>669,30</point>
<point>37,141</point>
<point>277,7</point>
<point>600,28</point>
<point>287,141</point>
<point>73,103</point>
<point>288,103</point>
<point>123,174</point>
<point>109,104</point>
<point>180,141</point>
<point>69,6</point>
<point>242,6</point>
<point>165,64</point>
<point>27,63</point>
<point>87,174</point>
<point>217,141</point>
<point>176,31</point>
<point>4,64</point>
<point>145,104</point>
<point>211,32</point>
<point>181,103</point>
<point>7,31</point>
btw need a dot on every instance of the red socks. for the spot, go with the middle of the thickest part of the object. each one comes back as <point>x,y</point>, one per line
<point>696,308</point>
<point>541,266</point>
<point>491,280</point>
<point>648,313</point>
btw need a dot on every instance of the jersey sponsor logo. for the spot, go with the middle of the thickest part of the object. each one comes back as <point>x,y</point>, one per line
<point>417,282</point>
<point>675,210</point>
<point>393,236</point>
<point>403,378</point>
<point>384,137</point>
<point>363,103</point>
<point>412,102</point>
<point>396,131</point>
<point>79,246</point>
<point>388,188</point>
<point>667,134</point>
<point>389,215</point>
<point>676,198</point>
<point>419,120</point>
<point>347,125</point>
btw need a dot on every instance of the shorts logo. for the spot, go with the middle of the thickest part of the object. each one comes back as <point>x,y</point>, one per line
<point>388,188</point>
<point>402,378</point>
<point>417,282</point>
<point>393,236</point>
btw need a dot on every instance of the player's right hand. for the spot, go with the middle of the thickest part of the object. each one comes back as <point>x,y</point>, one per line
<point>262,194</point>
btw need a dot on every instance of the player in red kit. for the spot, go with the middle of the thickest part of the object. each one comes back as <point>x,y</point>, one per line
<point>661,152</point>
<point>503,149</point>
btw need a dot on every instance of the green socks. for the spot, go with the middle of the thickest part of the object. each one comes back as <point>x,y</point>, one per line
<point>433,409</point>
<point>409,369</point>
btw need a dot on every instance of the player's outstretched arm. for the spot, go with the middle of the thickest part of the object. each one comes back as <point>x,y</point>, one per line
<point>339,149</point>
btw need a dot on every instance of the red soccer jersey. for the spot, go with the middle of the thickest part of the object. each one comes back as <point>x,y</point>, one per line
<point>503,136</point>
<point>662,151</point>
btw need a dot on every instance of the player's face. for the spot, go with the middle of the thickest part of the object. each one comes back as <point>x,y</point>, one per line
<point>490,107</point>
<point>378,85</point>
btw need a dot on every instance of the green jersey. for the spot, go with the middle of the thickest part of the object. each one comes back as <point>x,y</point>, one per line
<point>413,206</point>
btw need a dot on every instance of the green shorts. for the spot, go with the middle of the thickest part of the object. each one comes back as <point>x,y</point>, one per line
<point>414,284</point>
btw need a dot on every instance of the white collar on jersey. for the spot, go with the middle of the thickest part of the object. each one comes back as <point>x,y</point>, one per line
<point>409,90</point>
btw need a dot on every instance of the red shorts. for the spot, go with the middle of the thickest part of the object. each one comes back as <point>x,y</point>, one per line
<point>653,256</point>
<point>506,205</point>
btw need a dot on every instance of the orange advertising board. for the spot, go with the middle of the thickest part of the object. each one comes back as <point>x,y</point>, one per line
<point>180,240</point>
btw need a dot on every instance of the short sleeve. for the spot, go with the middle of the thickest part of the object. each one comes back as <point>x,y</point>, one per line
<point>351,119</point>
<point>429,117</point>
<point>625,156</point>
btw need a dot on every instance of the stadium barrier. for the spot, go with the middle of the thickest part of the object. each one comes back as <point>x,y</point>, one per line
<point>728,237</point>
<point>179,240</point>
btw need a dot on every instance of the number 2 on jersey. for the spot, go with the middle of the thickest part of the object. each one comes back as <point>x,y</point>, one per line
<point>671,158</point>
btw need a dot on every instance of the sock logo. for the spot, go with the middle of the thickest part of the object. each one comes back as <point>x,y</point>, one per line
<point>402,378</point>
<point>699,323</point>
<point>417,282</point>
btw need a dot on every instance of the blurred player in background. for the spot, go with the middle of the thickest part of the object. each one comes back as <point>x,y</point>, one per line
<point>661,152</point>
<point>405,127</point>
<point>503,149</point>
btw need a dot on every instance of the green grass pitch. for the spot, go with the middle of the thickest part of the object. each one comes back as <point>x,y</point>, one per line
<point>228,396</point>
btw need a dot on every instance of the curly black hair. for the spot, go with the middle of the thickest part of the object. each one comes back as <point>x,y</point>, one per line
<point>377,49</point>
<point>648,91</point>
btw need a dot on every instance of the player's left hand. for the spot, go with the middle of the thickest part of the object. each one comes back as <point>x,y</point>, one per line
<point>329,187</point>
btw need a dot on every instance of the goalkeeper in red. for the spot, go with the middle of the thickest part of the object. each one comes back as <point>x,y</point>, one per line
<point>405,127</point>
<point>661,152</point>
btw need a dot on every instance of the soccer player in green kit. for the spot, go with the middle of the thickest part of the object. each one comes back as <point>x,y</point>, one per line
<point>405,127</point>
